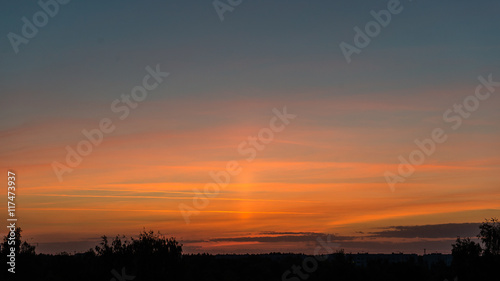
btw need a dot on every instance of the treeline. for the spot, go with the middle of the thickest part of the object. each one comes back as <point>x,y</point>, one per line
<point>478,261</point>
<point>153,256</point>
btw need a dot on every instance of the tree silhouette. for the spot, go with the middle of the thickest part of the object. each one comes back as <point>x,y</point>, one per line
<point>151,255</point>
<point>465,248</point>
<point>466,254</point>
<point>490,236</point>
<point>148,243</point>
<point>22,247</point>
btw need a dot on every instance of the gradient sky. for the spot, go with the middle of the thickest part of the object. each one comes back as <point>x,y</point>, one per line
<point>323,174</point>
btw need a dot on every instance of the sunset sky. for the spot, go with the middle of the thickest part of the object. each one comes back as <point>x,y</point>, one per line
<point>322,174</point>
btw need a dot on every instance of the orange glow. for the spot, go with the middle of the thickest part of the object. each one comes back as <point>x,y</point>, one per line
<point>308,179</point>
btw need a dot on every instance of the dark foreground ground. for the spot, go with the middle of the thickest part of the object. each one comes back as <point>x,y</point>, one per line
<point>276,267</point>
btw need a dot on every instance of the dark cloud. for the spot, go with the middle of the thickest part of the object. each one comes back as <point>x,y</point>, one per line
<point>273,237</point>
<point>449,230</point>
<point>445,232</point>
<point>287,233</point>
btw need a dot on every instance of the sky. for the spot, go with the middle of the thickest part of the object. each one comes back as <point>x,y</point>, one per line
<point>245,127</point>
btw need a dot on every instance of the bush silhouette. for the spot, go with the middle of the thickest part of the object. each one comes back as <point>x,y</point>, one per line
<point>150,255</point>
